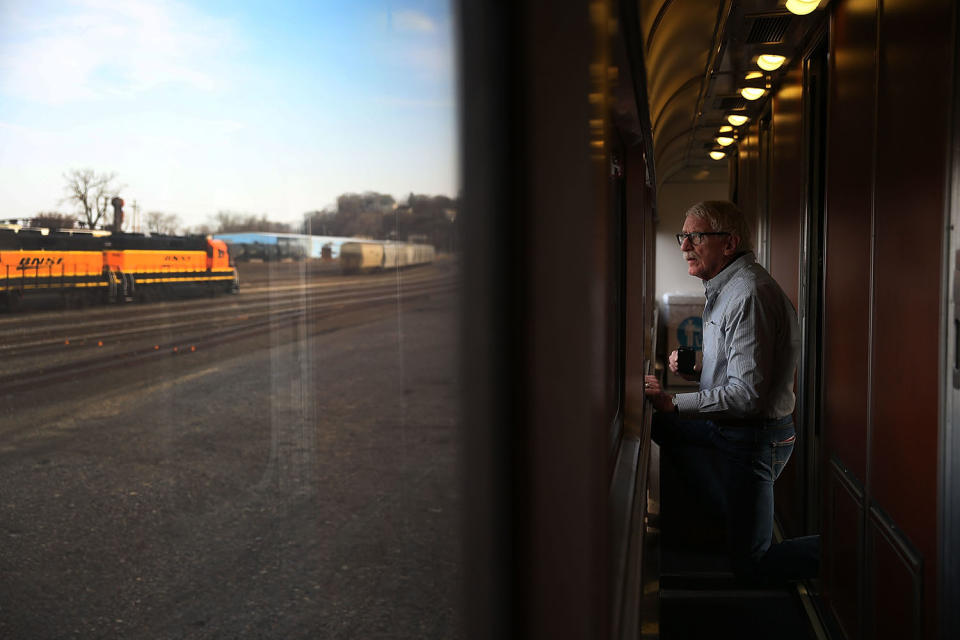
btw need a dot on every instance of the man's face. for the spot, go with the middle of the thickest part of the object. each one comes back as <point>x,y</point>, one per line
<point>713,254</point>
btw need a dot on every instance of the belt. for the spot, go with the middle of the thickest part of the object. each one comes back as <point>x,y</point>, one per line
<point>754,423</point>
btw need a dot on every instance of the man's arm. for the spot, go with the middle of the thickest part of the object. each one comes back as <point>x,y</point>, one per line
<point>749,344</point>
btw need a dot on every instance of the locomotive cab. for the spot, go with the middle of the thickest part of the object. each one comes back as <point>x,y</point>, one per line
<point>218,258</point>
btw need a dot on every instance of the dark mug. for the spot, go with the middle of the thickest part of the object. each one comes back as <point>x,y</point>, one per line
<point>686,359</point>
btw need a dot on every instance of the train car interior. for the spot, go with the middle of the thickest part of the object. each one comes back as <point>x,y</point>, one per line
<point>594,126</point>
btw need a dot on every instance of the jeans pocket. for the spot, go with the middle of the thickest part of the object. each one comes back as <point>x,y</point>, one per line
<point>780,453</point>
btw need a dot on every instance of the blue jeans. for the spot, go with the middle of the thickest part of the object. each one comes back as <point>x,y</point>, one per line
<point>733,468</point>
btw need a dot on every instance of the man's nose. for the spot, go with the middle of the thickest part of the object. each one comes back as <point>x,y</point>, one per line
<point>686,242</point>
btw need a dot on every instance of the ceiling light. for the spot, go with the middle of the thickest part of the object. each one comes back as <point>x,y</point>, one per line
<point>751,93</point>
<point>736,120</point>
<point>802,7</point>
<point>718,155</point>
<point>724,141</point>
<point>725,128</point>
<point>770,62</point>
<point>753,75</point>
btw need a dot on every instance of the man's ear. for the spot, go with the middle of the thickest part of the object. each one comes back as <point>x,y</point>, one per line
<point>732,246</point>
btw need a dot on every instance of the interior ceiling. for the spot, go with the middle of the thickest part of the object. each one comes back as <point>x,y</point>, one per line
<point>697,55</point>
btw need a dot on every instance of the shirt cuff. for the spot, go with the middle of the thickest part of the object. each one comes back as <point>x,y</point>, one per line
<point>687,402</point>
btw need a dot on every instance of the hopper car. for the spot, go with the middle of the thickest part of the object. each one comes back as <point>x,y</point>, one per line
<point>372,255</point>
<point>118,267</point>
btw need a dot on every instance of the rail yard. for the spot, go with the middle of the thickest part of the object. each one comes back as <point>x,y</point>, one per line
<point>275,463</point>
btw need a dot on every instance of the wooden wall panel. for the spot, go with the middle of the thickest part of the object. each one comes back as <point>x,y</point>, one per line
<point>843,519</point>
<point>847,310</point>
<point>748,173</point>
<point>849,195</point>
<point>896,584</point>
<point>910,196</point>
<point>787,187</point>
<point>786,217</point>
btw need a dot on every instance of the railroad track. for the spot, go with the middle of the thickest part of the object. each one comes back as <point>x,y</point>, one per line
<point>43,348</point>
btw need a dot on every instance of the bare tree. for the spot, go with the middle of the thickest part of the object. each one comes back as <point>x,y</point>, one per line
<point>235,222</point>
<point>89,192</point>
<point>159,222</point>
<point>53,220</point>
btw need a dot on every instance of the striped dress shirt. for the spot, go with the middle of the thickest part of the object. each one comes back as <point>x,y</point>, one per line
<point>751,344</point>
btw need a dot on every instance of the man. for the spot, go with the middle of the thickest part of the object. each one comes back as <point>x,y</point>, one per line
<point>742,414</point>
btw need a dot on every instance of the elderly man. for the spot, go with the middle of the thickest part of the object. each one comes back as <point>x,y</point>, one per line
<point>742,414</point>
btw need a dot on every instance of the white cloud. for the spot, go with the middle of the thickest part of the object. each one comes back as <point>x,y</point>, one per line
<point>409,20</point>
<point>109,48</point>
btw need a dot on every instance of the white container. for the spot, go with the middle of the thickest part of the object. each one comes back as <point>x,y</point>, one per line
<point>683,313</point>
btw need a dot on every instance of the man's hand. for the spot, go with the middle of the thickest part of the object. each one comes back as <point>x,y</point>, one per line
<point>661,401</point>
<point>674,365</point>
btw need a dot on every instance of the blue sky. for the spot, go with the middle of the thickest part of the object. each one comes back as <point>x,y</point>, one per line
<point>198,107</point>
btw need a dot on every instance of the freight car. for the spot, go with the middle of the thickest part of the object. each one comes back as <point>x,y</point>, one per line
<point>371,255</point>
<point>94,268</point>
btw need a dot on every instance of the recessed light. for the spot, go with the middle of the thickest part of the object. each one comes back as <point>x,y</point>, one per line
<point>770,62</point>
<point>802,7</point>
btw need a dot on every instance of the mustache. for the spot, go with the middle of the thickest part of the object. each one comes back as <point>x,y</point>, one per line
<point>689,255</point>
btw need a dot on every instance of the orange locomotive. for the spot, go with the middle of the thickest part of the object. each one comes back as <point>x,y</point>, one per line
<point>104,268</point>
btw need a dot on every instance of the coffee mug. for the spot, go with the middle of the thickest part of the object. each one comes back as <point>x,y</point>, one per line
<point>686,359</point>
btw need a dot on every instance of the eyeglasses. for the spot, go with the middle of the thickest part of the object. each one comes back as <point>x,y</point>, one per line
<point>696,238</point>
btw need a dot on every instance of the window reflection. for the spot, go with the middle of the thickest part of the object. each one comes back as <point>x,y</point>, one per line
<point>260,448</point>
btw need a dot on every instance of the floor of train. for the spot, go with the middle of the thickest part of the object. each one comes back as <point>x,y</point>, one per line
<point>689,588</point>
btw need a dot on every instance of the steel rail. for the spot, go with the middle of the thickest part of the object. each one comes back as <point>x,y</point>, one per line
<point>25,380</point>
<point>35,339</point>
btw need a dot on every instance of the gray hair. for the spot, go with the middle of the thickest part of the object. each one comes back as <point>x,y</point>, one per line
<point>722,215</point>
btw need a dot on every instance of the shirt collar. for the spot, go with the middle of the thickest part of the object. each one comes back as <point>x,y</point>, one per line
<point>715,284</point>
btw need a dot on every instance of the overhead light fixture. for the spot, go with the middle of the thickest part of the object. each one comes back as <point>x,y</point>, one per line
<point>718,155</point>
<point>751,93</point>
<point>736,120</point>
<point>770,62</point>
<point>724,141</point>
<point>753,75</point>
<point>802,7</point>
<point>725,128</point>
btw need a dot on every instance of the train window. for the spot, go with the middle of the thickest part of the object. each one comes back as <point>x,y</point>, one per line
<point>228,335</point>
<point>616,296</point>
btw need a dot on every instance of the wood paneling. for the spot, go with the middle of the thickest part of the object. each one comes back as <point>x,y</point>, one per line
<point>886,190</point>
<point>786,218</point>
<point>842,548</point>
<point>896,584</point>
<point>787,191</point>
<point>748,173</point>
<point>910,196</point>
<point>848,254</point>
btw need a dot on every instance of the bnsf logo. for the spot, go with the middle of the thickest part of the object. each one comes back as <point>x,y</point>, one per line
<point>29,263</point>
<point>175,258</point>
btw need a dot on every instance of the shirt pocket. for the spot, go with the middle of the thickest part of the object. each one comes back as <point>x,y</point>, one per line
<point>713,338</point>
